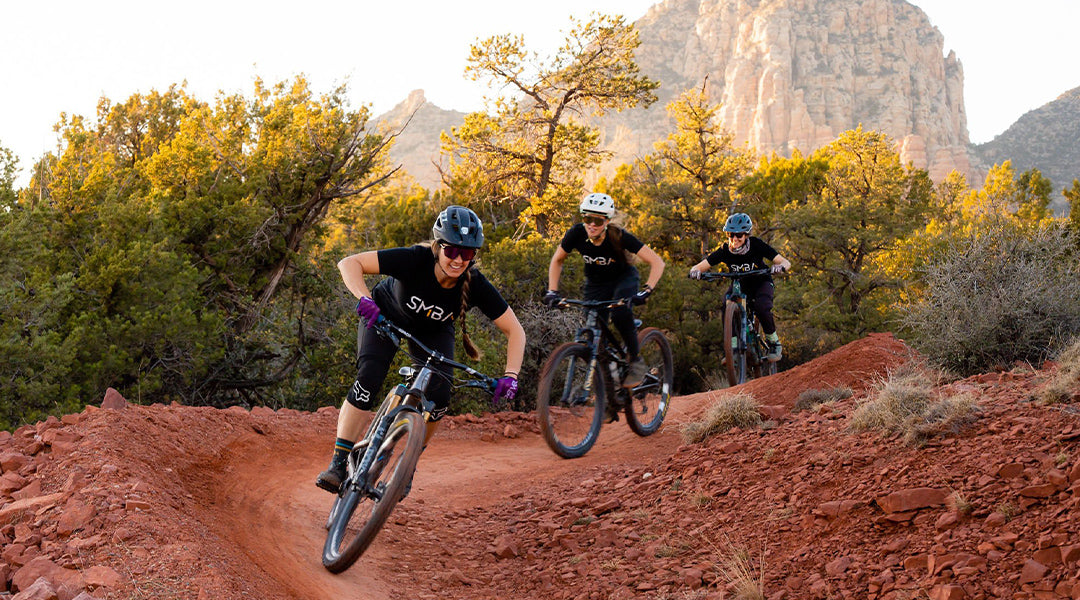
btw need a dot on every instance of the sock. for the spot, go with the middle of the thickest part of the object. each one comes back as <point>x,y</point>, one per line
<point>342,447</point>
<point>772,337</point>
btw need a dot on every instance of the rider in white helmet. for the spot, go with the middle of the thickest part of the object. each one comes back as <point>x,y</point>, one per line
<point>608,272</point>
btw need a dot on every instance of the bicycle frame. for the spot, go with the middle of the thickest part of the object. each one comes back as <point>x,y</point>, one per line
<point>602,344</point>
<point>749,342</point>
<point>414,386</point>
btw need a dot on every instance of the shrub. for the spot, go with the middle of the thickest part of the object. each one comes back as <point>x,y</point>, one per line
<point>1002,294</point>
<point>1066,381</point>
<point>739,410</point>
<point>811,399</point>
<point>905,404</point>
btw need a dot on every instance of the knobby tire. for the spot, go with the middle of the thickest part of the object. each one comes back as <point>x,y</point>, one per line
<point>649,401</point>
<point>734,357</point>
<point>357,517</point>
<point>570,419</point>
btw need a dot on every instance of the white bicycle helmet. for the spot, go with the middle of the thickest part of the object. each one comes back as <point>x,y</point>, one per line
<point>598,204</point>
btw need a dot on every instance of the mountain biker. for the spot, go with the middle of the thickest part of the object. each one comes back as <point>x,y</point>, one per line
<point>428,288</point>
<point>608,272</point>
<point>744,252</point>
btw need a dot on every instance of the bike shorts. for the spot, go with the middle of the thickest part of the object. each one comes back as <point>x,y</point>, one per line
<point>759,299</point>
<point>622,317</point>
<point>376,353</point>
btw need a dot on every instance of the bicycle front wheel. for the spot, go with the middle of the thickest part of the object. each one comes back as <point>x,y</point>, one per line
<point>734,344</point>
<point>359,514</point>
<point>649,401</point>
<point>570,406</point>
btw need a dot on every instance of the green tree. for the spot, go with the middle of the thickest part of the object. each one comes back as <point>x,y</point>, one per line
<point>682,192</point>
<point>838,236</point>
<point>1072,194</point>
<point>525,156</point>
<point>179,245</point>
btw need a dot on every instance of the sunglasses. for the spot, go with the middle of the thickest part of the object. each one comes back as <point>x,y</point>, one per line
<point>736,235</point>
<point>593,220</point>
<point>453,252</point>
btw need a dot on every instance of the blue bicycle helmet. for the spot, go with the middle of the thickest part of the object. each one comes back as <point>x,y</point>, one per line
<point>458,226</point>
<point>738,223</point>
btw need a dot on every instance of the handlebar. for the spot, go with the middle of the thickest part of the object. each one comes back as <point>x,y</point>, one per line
<point>565,302</point>
<point>395,333</point>
<point>733,274</point>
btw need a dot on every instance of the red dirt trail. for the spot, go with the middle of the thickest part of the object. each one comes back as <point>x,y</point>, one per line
<point>201,503</point>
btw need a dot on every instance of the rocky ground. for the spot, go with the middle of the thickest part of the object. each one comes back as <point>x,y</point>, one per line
<point>132,502</point>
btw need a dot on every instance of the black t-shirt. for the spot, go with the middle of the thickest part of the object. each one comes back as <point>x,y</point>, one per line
<point>412,298</point>
<point>602,263</point>
<point>753,259</point>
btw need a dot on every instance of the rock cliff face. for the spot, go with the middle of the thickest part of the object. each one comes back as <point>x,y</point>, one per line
<point>790,74</point>
<point>417,147</point>
<point>1047,138</point>
<point>794,74</point>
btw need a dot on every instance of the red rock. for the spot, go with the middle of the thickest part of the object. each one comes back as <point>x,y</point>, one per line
<point>1010,470</point>
<point>77,515</point>
<point>101,576</point>
<point>30,490</point>
<point>1074,472</point>
<point>1047,556</point>
<point>1032,572</point>
<point>113,400</point>
<point>40,589</point>
<point>912,499</point>
<point>994,520</point>
<point>1058,478</point>
<point>1070,554</point>
<point>11,462</point>
<point>1044,490</point>
<point>947,520</point>
<point>692,578</point>
<point>947,592</point>
<point>15,510</point>
<point>838,567</point>
<point>43,567</point>
<point>919,561</point>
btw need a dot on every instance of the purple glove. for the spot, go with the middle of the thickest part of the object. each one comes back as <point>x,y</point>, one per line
<point>369,310</point>
<point>505,389</point>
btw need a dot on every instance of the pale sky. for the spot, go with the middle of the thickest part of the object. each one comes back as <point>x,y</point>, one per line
<point>63,55</point>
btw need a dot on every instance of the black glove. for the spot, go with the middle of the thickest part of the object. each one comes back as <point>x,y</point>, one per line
<point>641,297</point>
<point>552,298</point>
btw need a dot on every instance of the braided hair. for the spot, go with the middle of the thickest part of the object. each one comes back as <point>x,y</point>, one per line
<point>470,349</point>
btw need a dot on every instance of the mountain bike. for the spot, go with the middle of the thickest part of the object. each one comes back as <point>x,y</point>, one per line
<point>380,466</point>
<point>580,378</point>
<point>744,343</point>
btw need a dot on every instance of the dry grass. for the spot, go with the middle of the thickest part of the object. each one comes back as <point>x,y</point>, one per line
<point>1066,381</point>
<point>960,503</point>
<point>739,410</point>
<point>736,570</point>
<point>905,404</point>
<point>811,399</point>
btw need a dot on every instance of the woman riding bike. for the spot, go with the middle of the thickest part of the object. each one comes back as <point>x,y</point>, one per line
<point>744,252</point>
<point>428,288</point>
<point>608,272</point>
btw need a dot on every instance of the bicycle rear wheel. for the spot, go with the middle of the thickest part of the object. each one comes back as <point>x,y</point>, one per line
<point>734,344</point>
<point>359,514</point>
<point>649,401</point>
<point>569,406</point>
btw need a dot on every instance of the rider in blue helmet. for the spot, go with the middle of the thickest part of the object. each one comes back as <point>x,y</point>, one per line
<point>744,252</point>
<point>428,288</point>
